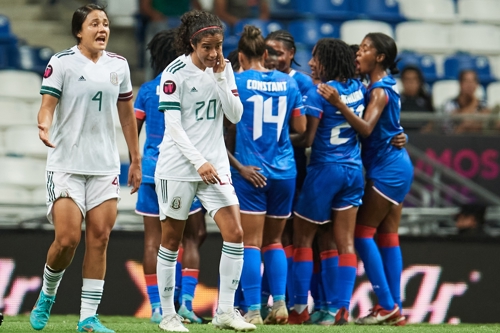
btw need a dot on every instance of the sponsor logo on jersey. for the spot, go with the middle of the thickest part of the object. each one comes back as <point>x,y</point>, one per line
<point>194,89</point>
<point>81,78</point>
<point>176,203</point>
<point>48,71</point>
<point>113,78</point>
<point>169,87</point>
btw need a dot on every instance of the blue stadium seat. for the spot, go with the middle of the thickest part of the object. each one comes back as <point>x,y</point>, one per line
<point>426,63</point>
<point>230,43</point>
<point>4,25</point>
<point>382,10</point>
<point>34,58</point>
<point>266,26</point>
<point>309,32</point>
<point>329,9</point>
<point>302,57</point>
<point>285,8</point>
<point>456,63</point>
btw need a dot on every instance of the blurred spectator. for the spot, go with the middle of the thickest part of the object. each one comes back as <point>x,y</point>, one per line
<point>271,61</point>
<point>231,11</point>
<point>414,97</point>
<point>466,103</point>
<point>470,220</point>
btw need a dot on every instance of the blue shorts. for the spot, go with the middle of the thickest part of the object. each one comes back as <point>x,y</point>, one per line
<point>329,186</point>
<point>275,199</point>
<point>147,202</point>
<point>392,176</point>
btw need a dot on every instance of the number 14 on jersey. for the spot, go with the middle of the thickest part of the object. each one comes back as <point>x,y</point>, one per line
<point>263,113</point>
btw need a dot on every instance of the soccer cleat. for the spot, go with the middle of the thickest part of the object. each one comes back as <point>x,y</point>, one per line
<point>265,310</point>
<point>92,324</point>
<point>41,311</point>
<point>253,317</point>
<point>378,316</point>
<point>278,314</point>
<point>232,319</point>
<point>342,317</point>
<point>328,319</point>
<point>399,321</point>
<point>156,315</point>
<point>317,316</point>
<point>298,318</point>
<point>172,323</point>
<point>189,316</point>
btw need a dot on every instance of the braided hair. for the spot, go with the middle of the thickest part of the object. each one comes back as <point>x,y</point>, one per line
<point>335,58</point>
<point>161,48</point>
<point>385,45</point>
<point>195,25</point>
<point>286,38</point>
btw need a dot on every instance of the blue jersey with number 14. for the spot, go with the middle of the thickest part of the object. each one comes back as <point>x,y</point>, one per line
<point>269,100</point>
<point>336,141</point>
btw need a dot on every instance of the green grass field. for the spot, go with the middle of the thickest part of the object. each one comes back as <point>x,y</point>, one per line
<point>129,324</point>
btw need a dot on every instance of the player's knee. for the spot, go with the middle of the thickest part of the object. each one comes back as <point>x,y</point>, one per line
<point>67,243</point>
<point>234,235</point>
<point>202,235</point>
<point>171,243</point>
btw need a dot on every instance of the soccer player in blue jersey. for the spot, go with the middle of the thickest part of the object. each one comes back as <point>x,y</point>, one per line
<point>333,187</point>
<point>389,173</point>
<point>146,110</point>
<point>264,172</point>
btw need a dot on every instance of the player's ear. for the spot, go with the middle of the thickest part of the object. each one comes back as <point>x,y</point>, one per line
<point>192,45</point>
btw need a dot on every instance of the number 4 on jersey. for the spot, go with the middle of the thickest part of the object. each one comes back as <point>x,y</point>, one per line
<point>263,113</point>
<point>98,97</point>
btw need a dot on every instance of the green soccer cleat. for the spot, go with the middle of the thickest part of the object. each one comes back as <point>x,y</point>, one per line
<point>92,324</point>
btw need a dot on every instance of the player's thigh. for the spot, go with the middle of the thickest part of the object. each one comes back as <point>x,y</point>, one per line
<point>62,185</point>
<point>374,208</point>
<point>344,224</point>
<point>196,228</point>
<point>391,222</point>
<point>175,198</point>
<point>216,196</point>
<point>100,190</point>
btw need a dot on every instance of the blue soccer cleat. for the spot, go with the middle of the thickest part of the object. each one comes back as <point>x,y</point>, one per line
<point>41,311</point>
<point>156,314</point>
<point>92,324</point>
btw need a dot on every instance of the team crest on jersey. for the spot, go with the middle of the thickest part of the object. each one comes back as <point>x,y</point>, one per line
<point>176,203</point>
<point>48,71</point>
<point>113,78</point>
<point>169,87</point>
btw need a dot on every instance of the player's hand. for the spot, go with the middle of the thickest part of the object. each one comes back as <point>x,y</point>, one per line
<point>252,174</point>
<point>399,141</point>
<point>134,176</point>
<point>208,174</point>
<point>220,64</point>
<point>43,133</point>
<point>330,94</point>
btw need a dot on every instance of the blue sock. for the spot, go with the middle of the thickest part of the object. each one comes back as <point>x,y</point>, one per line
<point>251,278</point>
<point>275,264</point>
<point>238,297</point>
<point>345,280</point>
<point>329,271</point>
<point>265,292</point>
<point>393,264</point>
<point>302,272</point>
<point>189,283</point>
<point>178,277</point>
<point>152,289</point>
<point>289,276</point>
<point>374,268</point>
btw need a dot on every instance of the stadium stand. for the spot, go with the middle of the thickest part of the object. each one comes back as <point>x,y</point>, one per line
<point>493,94</point>
<point>426,37</point>
<point>22,171</point>
<point>265,26</point>
<point>328,9</point>
<point>455,63</point>
<point>21,85</point>
<point>15,113</point>
<point>428,10</point>
<point>353,32</point>
<point>14,195</point>
<point>483,11</point>
<point>309,32</point>
<point>476,38</point>
<point>444,90</point>
<point>24,141</point>
<point>121,12</point>
<point>425,62</point>
<point>34,58</point>
<point>380,10</point>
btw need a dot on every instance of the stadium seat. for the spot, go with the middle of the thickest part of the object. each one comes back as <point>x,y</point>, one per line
<point>38,195</point>
<point>4,25</point>
<point>382,10</point>
<point>230,43</point>
<point>121,12</point>
<point>353,32</point>
<point>265,26</point>
<point>127,200</point>
<point>484,11</point>
<point>21,85</point>
<point>428,10</point>
<point>456,63</point>
<point>476,38</point>
<point>24,141</point>
<point>309,32</point>
<point>328,9</point>
<point>424,37</point>
<point>22,171</point>
<point>15,113</point>
<point>493,94</point>
<point>14,195</point>
<point>33,58</point>
<point>122,144</point>
<point>444,90</point>
<point>426,63</point>
<point>285,8</point>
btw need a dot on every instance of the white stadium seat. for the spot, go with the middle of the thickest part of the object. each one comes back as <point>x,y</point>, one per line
<point>424,37</point>
<point>26,172</point>
<point>353,32</point>
<point>14,112</point>
<point>127,200</point>
<point>24,140</point>
<point>444,90</point>
<point>485,11</point>
<point>476,38</point>
<point>428,10</point>
<point>121,12</point>
<point>20,85</point>
<point>11,195</point>
<point>493,94</point>
<point>38,195</point>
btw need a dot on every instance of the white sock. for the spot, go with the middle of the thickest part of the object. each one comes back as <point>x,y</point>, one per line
<point>231,264</point>
<point>91,297</point>
<point>165,271</point>
<point>51,280</point>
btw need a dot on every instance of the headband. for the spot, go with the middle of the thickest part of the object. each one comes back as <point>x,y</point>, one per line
<point>206,28</point>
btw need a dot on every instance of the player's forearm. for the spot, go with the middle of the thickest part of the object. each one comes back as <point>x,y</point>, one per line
<point>234,162</point>
<point>231,104</point>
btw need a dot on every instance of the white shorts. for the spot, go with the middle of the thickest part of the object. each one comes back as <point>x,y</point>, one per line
<point>86,191</point>
<point>175,197</point>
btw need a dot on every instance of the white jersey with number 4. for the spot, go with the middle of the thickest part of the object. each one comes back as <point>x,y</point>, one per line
<point>83,129</point>
<point>195,102</point>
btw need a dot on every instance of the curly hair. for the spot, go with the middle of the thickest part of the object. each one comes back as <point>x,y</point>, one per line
<point>161,48</point>
<point>385,45</point>
<point>335,58</point>
<point>252,43</point>
<point>195,25</point>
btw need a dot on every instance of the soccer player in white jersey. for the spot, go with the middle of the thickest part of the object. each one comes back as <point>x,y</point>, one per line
<point>82,88</point>
<point>197,90</point>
